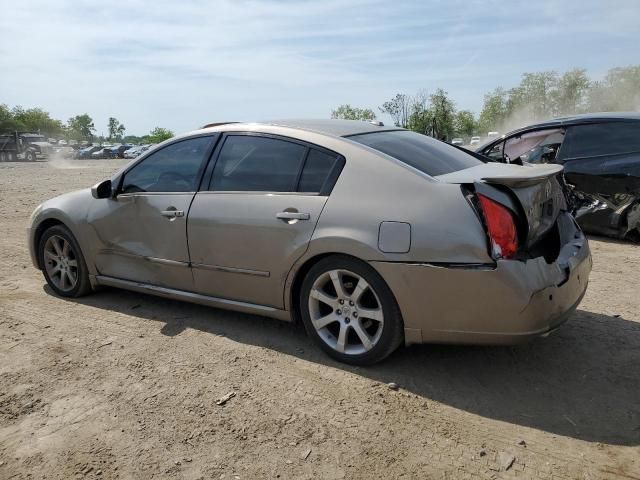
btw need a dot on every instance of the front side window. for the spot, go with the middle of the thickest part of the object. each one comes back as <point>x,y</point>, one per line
<point>423,153</point>
<point>596,139</point>
<point>539,146</point>
<point>174,168</point>
<point>251,163</point>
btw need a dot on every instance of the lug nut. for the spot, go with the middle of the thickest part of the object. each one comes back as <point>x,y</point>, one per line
<point>338,312</point>
<point>351,302</point>
<point>341,301</point>
<point>347,320</point>
<point>355,314</point>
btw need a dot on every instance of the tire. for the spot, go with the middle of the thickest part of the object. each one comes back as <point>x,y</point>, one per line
<point>30,156</point>
<point>3,157</point>
<point>361,325</point>
<point>58,248</point>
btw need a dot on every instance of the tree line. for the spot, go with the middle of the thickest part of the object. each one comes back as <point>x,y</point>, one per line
<point>79,128</point>
<point>538,96</point>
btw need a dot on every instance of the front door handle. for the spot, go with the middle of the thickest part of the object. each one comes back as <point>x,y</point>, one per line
<point>293,215</point>
<point>171,212</point>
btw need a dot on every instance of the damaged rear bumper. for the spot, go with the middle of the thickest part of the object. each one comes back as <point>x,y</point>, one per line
<point>506,303</point>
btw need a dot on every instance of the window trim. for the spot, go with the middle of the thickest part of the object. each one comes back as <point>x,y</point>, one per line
<point>152,151</point>
<point>327,186</point>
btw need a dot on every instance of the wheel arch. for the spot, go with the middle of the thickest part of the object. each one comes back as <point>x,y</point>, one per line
<point>301,271</point>
<point>39,231</point>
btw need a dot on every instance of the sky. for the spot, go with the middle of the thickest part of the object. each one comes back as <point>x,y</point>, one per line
<point>182,64</point>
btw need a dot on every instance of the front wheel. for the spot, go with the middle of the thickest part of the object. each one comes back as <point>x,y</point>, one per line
<point>349,311</point>
<point>30,156</point>
<point>62,262</point>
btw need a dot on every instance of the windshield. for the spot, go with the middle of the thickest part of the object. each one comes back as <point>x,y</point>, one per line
<point>419,151</point>
<point>33,138</point>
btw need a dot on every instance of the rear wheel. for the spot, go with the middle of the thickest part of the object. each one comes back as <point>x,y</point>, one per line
<point>3,157</point>
<point>349,311</point>
<point>62,262</point>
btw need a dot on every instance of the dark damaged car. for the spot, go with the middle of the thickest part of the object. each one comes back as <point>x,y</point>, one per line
<point>600,153</point>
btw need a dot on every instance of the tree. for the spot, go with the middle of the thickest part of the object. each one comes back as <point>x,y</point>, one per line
<point>81,127</point>
<point>571,92</point>
<point>399,108</point>
<point>420,116</point>
<point>465,123</point>
<point>619,91</point>
<point>116,129</point>
<point>7,122</point>
<point>443,111</point>
<point>36,120</point>
<point>347,112</point>
<point>158,135</point>
<point>494,111</point>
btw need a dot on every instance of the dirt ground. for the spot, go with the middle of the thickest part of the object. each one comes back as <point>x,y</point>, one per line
<point>124,385</point>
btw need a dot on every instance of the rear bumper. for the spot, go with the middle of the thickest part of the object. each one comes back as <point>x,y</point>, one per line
<point>508,303</point>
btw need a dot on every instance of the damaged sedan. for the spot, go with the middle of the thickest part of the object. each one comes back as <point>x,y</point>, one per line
<point>372,236</point>
<point>600,154</point>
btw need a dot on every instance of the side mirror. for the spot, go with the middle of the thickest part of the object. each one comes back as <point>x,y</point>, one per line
<point>102,189</point>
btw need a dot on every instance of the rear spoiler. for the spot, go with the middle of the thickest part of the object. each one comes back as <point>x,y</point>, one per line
<point>541,172</point>
<point>217,124</point>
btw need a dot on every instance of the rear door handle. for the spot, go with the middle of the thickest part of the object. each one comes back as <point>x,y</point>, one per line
<point>293,216</point>
<point>171,213</point>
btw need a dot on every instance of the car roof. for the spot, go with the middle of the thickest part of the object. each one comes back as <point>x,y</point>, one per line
<point>579,119</point>
<point>333,127</point>
<point>601,117</point>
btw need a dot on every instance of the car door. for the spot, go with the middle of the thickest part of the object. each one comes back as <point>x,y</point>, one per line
<point>602,162</point>
<point>256,215</point>
<point>143,231</point>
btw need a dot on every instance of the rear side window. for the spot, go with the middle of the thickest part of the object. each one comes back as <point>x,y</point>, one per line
<point>317,169</point>
<point>258,164</point>
<point>601,139</point>
<point>423,153</point>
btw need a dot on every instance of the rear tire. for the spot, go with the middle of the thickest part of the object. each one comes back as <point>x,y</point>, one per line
<point>63,264</point>
<point>3,157</point>
<point>349,311</point>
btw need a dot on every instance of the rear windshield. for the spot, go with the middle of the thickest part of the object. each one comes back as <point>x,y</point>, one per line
<point>420,151</point>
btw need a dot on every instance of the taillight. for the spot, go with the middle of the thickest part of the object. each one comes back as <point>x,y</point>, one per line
<point>500,227</point>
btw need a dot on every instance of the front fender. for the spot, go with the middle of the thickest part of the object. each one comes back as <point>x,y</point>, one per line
<point>70,210</point>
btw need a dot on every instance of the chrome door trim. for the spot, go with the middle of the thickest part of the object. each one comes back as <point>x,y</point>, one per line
<point>245,271</point>
<point>164,261</point>
<point>194,297</point>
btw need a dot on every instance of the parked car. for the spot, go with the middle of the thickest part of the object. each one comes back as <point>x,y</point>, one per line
<point>457,141</point>
<point>474,141</point>
<point>600,154</point>
<point>118,151</point>
<point>373,236</point>
<point>63,151</point>
<point>137,151</point>
<point>86,152</point>
<point>103,152</point>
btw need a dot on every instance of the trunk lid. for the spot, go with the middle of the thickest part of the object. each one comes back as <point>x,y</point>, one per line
<point>533,192</point>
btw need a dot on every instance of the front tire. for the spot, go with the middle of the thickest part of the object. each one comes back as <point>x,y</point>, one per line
<point>62,262</point>
<point>30,156</point>
<point>349,311</point>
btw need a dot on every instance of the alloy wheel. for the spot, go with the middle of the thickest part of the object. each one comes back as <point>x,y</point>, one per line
<point>61,263</point>
<point>346,312</point>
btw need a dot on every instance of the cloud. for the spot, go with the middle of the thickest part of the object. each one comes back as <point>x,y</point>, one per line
<point>182,64</point>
